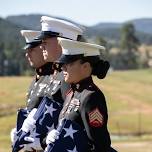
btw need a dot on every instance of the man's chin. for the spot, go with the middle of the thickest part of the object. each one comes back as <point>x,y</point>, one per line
<point>46,59</point>
<point>67,80</point>
<point>31,64</point>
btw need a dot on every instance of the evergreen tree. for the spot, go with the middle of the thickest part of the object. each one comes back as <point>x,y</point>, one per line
<point>2,59</point>
<point>129,47</point>
<point>101,41</point>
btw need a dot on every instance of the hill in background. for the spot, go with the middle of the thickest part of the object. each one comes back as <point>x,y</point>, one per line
<point>9,30</point>
<point>12,57</point>
<point>109,31</point>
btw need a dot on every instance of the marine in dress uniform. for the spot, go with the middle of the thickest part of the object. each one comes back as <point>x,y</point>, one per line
<point>52,29</point>
<point>85,103</point>
<point>43,69</point>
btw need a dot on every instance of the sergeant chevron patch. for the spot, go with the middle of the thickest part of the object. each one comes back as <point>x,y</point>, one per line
<point>96,118</point>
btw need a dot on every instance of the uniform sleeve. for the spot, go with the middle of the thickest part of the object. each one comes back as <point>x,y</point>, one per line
<point>94,116</point>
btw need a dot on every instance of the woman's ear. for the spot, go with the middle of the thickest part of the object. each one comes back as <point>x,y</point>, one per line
<point>86,68</point>
<point>86,65</point>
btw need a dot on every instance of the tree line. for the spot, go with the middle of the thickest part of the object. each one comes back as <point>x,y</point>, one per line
<point>127,54</point>
<point>13,61</point>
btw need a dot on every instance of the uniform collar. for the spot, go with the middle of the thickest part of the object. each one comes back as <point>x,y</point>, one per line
<point>82,84</point>
<point>44,70</point>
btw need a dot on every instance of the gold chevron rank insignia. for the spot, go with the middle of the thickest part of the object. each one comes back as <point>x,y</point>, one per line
<point>96,118</point>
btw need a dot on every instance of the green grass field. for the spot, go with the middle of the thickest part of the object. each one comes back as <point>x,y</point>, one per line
<point>129,101</point>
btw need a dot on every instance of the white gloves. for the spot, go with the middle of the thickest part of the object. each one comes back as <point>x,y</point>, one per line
<point>52,136</point>
<point>13,135</point>
<point>29,122</point>
<point>34,145</point>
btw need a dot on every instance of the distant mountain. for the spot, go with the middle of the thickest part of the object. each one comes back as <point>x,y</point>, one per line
<point>12,59</point>
<point>110,31</point>
<point>142,25</point>
<point>32,21</point>
<point>9,31</point>
<point>109,25</point>
<point>28,21</point>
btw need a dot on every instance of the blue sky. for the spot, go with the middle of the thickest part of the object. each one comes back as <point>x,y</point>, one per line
<point>87,12</point>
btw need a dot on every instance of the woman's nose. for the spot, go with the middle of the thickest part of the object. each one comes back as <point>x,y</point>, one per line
<point>42,47</point>
<point>26,54</point>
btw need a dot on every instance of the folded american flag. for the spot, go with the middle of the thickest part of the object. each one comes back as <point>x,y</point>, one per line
<point>46,117</point>
<point>21,116</point>
<point>72,138</point>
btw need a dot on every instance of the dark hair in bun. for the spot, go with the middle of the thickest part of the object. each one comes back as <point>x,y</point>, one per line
<point>99,67</point>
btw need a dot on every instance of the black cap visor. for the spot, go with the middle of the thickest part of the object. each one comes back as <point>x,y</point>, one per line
<point>47,34</point>
<point>32,44</point>
<point>66,59</point>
